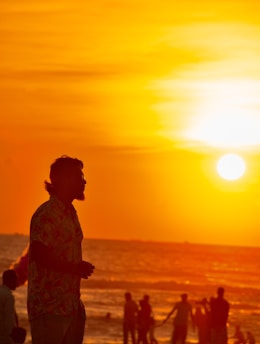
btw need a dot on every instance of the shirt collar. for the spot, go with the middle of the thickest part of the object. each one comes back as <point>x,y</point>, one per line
<point>57,202</point>
<point>4,286</point>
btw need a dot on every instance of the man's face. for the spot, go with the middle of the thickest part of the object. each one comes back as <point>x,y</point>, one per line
<point>12,282</point>
<point>77,184</point>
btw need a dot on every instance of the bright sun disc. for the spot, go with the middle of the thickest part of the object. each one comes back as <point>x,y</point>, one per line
<point>231,166</point>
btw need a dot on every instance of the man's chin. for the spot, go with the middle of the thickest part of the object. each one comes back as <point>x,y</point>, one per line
<point>80,197</point>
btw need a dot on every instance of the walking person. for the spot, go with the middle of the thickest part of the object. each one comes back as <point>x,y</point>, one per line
<point>144,319</point>
<point>183,311</point>
<point>201,323</point>
<point>56,313</point>
<point>130,318</point>
<point>219,311</point>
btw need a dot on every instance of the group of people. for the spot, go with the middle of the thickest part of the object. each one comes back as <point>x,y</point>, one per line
<point>210,319</point>
<point>138,319</point>
<point>212,323</point>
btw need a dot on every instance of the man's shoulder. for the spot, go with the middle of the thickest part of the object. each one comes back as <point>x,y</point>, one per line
<point>42,207</point>
<point>45,208</point>
<point>131,302</point>
<point>227,303</point>
<point>6,292</point>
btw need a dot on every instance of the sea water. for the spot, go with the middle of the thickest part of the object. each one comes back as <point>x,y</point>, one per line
<point>162,270</point>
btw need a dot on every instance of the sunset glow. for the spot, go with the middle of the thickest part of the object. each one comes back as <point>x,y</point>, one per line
<point>231,166</point>
<point>227,114</point>
<point>149,95</point>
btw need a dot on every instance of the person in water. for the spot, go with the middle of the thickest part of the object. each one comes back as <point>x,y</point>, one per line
<point>183,310</point>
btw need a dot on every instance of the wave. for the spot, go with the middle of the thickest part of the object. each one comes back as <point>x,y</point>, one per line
<point>163,285</point>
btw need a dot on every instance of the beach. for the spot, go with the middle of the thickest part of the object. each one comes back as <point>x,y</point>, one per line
<point>162,270</point>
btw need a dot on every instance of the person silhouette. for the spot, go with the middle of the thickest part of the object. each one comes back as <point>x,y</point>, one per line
<point>8,318</point>
<point>144,319</point>
<point>129,320</point>
<point>10,332</point>
<point>239,336</point>
<point>201,322</point>
<point>56,313</point>
<point>219,311</point>
<point>183,310</point>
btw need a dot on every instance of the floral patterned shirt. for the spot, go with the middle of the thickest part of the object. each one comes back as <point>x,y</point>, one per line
<point>51,292</point>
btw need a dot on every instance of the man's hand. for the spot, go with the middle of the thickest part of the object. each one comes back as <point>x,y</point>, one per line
<point>46,258</point>
<point>85,269</point>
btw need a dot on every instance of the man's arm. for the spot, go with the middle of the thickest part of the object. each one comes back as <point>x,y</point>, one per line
<point>46,258</point>
<point>169,314</point>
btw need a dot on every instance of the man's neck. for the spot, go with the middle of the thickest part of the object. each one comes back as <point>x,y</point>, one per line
<point>64,198</point>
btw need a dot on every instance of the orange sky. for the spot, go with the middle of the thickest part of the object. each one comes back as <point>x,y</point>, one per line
<point>148,95</point>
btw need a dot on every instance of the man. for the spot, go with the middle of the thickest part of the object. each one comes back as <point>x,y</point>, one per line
<point>183,310</point>
<point>219,310</point>
<point>8,318</point>
<point>130,314</point>
<point>144,319</point>
<point>56,314</point>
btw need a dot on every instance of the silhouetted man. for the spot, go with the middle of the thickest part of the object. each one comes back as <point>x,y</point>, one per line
<point>144,319</point>
<point>183,310</point>
<point>129,322</point>
<point>219,309</point>
<point>56,314</point>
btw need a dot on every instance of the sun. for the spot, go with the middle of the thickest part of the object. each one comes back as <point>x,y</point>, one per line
<point>231,166</point>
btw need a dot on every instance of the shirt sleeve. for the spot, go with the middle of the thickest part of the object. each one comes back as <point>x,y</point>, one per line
<point>42,227</point>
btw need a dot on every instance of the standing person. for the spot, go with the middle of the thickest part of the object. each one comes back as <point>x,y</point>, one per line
<point>183,311</point>
<point>144,319</point>
<point>219,310</point>
<point>201,322</point>
<point>130,314</point>
<point>8,319</point>
<point>56,313</point>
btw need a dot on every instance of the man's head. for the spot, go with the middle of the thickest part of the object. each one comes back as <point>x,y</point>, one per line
<point>184,297</point>
<point>10,279</point>
<point>220,292</point>
<point>128,296</point>
<point>67,178</point>
<point>146,298</point>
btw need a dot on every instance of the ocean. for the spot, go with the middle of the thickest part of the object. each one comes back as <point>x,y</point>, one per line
<point>162,270</point>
